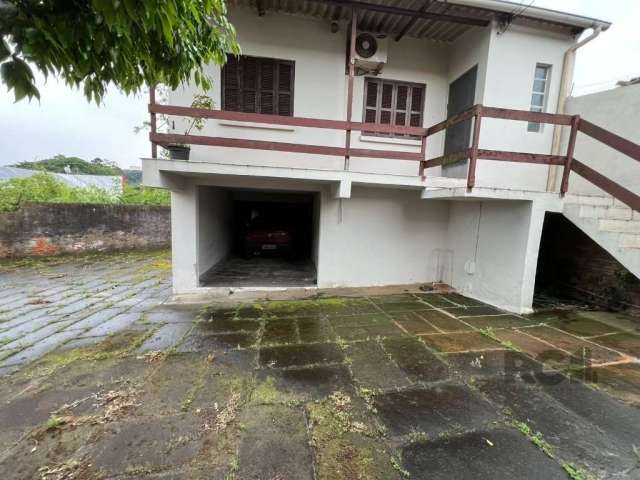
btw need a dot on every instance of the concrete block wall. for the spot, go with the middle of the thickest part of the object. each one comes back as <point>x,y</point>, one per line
<point>57,228</point>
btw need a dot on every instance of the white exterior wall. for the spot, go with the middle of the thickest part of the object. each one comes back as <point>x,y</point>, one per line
<point>214,229</point>
<point>513,56</point>
<point>494,247</point>
<point>382,237</point>
<point>617,110</point>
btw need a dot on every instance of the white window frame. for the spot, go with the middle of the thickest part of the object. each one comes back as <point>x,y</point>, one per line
<point>534,127</point>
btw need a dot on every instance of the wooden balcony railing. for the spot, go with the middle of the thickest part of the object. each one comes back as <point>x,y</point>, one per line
<point>473,153</point>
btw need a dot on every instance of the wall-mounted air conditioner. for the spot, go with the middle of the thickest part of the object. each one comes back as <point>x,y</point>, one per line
<point>371,52</point>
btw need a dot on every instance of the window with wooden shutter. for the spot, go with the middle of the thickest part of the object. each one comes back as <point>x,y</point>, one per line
<point>393,103</point>
<point>258,85</point>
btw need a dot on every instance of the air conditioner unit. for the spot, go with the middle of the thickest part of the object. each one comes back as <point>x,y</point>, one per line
<point>371,52</point>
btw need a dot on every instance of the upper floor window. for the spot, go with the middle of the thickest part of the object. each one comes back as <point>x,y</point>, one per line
<point>539,94</point>
<point>258,85</point>
<point>393,103</point>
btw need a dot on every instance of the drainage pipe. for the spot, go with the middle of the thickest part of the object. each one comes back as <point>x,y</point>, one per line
<point>567,76</point>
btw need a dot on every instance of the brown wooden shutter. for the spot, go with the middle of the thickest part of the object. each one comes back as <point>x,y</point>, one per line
<point>231,85</point>
<point>285,88</point>
<point>267,86</point>
<point>417,106</point>
<point>258,85</point>
<point>249,79</point>
<point>393,103</point>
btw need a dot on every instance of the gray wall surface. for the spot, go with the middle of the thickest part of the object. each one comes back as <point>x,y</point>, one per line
<point>618,111</point>
<point>59,228</point>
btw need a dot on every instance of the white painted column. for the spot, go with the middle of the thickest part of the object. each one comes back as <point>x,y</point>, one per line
<point>184,238</point>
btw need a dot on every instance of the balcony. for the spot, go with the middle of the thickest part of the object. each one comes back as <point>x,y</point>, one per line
<point>422,164</point>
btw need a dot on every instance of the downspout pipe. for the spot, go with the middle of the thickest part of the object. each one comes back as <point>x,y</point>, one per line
<point>565,81</point>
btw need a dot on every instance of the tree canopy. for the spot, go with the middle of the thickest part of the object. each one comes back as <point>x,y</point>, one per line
<point>58,164</point>
<point>130,43</point>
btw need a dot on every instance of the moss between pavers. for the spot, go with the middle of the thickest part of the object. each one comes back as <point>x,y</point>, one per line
<point>118,345</point>
<point>347,445</point>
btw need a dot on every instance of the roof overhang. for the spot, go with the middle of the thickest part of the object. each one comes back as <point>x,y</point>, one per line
<point>438,20</point>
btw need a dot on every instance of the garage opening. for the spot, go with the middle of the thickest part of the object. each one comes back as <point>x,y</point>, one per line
<point>575,270</point>
<point>270,236</point>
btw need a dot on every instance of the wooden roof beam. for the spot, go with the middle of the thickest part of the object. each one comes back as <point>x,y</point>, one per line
<point>374,7</point>
<point>412,21</point>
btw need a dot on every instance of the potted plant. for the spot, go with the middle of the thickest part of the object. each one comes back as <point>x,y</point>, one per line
<point>179,151</point>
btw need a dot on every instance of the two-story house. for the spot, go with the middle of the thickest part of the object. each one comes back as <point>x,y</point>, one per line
<point>328,161</point>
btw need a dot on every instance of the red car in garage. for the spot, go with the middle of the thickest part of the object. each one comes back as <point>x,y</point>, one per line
<point>264,237</point>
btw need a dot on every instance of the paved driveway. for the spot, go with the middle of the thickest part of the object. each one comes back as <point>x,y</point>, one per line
<point>75,301</point>
<point>413,385</point>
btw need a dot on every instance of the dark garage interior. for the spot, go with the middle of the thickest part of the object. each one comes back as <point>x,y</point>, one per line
<point>272,241</point>
<point>573,269</point>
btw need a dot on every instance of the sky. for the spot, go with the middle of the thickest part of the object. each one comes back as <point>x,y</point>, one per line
<point>63,122</point>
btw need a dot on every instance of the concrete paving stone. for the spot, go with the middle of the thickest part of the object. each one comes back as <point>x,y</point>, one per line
<point>23,328</point>
<point>166,337</point>
<point>408,306</point>
<point>462,300</point>
<point>413,323</point>
<point>621,381</point>
<point>572,344</point>
<point>275,444</point>
<point>76,306</point>
<point>310,383</point>
<point>390,299</point>
<point>170,384</point>
<point>583,327</point>
<point>496,321</point>
<point>367,319</point>
<point>474,311</point>
<point>38,349</point>
<point>364,332</point>
<point>312,330</point>
<point>459,342</point>
<point>500,454</point>
<point>150,444</point>
<point>279,332</point>
<point>443,322</point>
<point>42,331</point>
<point>622,342</point>
<point>574,437</point>
<point>82,342</point>
<point>435,300</point>
<point>445,408</point>
<point>413,358</point>
<point>299,355</point>
<point>114,324</point>
<point>211,343</point>
<point>372,368</point>
<point>53,448</point>
<point>540,351</point>
<point>228,325</point>
<point>172,314</point>
<point>492,362</point>
<point>98,317</point>
<point>608,414</point>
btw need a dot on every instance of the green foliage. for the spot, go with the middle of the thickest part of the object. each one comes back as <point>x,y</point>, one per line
<point>42,187</point>
<point>58,163</point>
<point>138,195</point>
<point>129,43</point>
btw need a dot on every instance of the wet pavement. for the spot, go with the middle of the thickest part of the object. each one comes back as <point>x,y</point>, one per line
<point>409,385</point>
<point>75,301</point>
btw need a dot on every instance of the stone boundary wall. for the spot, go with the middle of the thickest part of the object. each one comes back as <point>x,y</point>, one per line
<point>41,229</point>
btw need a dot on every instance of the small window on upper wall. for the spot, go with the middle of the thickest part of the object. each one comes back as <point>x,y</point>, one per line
<point>393,103</point>
<point>539,94</point>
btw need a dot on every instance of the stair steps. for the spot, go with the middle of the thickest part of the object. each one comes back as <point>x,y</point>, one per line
<point>610,223</point>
